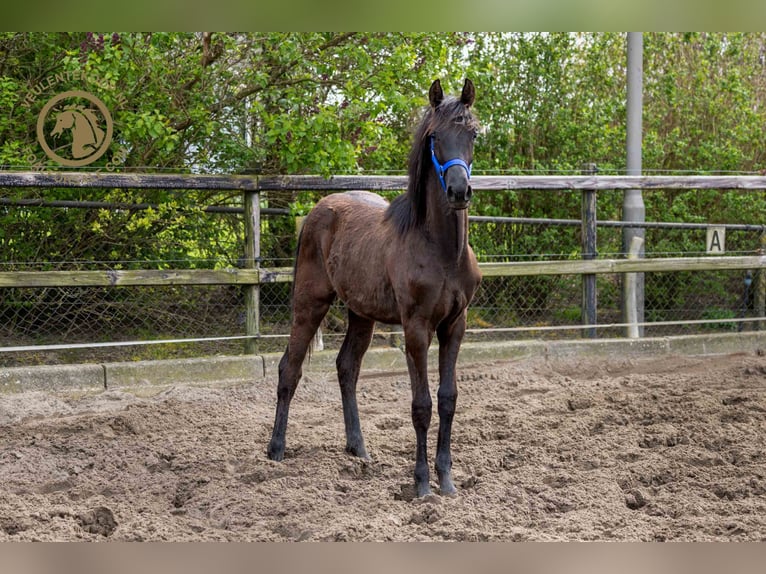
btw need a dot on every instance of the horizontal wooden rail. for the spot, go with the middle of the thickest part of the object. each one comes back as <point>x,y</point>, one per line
<point>148,277</point>
<point>370,182</point>
<point>577,267</point>
<point>126,180</point>
<point>129,278</point>
<point>532,182</point>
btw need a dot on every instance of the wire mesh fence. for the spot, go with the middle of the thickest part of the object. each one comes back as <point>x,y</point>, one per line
<point>94,315</point>
<point>511,308</point>
<point>517,307</point>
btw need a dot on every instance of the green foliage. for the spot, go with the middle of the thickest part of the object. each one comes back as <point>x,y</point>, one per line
<point>717,314</point>
<point>331,103</point>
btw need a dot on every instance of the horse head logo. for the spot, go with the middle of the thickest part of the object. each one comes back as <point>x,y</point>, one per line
<point>89,139</point>
<point>87,136</point>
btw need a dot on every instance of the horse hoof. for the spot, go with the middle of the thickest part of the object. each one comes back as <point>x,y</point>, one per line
<point>358,452</point>
<point>275,454</point>
<point>448,490</point>
<point>422,490</point>
<point>447,487</point>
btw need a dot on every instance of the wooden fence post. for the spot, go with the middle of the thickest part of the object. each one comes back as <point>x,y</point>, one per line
<point>252,200</point>
<point>589,248</point>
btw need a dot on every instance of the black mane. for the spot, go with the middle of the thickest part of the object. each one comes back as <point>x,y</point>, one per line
<point>408,211</point>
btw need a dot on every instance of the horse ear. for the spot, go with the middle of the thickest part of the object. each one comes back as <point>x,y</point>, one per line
<point>436,94</point>
<point>469,93</point>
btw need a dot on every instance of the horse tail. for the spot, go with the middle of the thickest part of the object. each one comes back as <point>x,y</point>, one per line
<point>292,286</point>
<point>295,265</point>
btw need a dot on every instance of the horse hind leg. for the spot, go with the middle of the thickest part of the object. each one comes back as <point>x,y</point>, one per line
<point>348,363</point>
<point>308,312</point>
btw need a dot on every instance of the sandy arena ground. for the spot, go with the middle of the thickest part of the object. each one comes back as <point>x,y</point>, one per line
<point>616,449</point>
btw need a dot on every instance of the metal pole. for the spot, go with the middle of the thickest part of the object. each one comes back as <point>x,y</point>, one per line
<point>588,229</point>
<point>252,261</point>
<point>633,326</point>
<point>633,203</point>
<point>760,288</point>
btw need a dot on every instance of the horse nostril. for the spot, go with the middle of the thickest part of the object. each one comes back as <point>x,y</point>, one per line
<point>459,195</point>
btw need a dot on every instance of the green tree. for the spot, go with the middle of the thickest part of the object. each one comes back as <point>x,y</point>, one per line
<point>211,103</point>
<point>324,103</point>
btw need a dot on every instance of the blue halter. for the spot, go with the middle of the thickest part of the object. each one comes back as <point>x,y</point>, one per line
<point>441,170</point>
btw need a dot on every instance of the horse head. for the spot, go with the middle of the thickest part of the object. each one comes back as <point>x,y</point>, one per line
<point>64,121</point>
<point>86,135</point>
<point>451,135</point>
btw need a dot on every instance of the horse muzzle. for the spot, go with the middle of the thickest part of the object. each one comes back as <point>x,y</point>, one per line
<point>459,196</point>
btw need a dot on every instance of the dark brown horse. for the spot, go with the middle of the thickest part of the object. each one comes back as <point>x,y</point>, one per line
<point>406,263</point>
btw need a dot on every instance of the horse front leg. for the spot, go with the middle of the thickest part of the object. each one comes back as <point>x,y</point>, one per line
<point>450,337</point>
<point>417,338</point>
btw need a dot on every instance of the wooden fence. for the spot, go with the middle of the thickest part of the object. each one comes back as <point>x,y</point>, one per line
<point>252,276</point>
